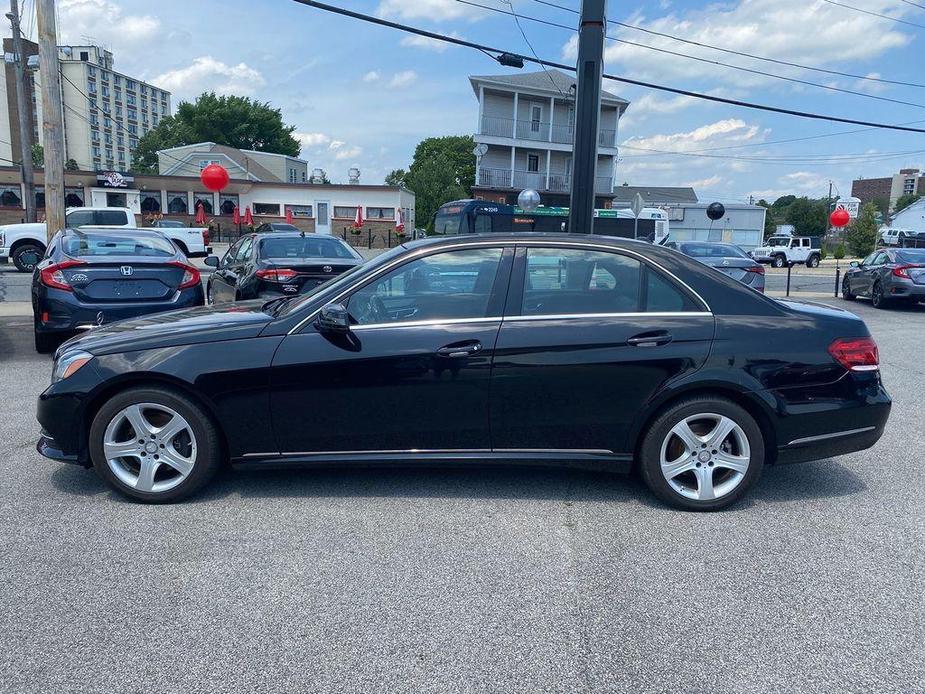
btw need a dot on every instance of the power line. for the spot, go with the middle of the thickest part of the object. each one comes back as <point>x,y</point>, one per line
<point>914,4</point>
<point>510,3</point>
<point>876,14</point>
<point>704,60</point>
<point>742,53</point>
<point>626,80</point>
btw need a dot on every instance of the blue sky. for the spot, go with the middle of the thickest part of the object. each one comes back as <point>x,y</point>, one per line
<point>364,96</point>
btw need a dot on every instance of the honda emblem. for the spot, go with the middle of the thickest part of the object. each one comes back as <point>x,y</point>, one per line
<point>127,270</point>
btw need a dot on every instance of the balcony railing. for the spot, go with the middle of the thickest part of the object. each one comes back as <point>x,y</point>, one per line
<point>539,131</point>
<point>558,182</point>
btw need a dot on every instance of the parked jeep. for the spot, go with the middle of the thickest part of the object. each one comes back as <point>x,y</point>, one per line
<point>788,250</point>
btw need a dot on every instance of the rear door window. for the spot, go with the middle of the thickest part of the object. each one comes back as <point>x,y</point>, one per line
<point>110,217</point>
<point>80,218</point>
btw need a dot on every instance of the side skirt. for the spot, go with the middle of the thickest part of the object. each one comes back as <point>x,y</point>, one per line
<point>583,459</point>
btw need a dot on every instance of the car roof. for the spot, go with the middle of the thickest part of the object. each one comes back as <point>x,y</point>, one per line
<point>294,235</point>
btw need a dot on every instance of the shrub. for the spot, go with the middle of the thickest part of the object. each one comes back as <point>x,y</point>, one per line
<point>839,252</point>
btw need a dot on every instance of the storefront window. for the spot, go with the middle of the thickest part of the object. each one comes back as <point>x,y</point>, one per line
<point>380,213</point>
<point>176,203</point>
<point>300,210</point>
<point>9,196</point>
<point>151,201</point>
<point>204,199</point>
<point>228,203</point>
<point>266,209</point>
<point>345,212</point>
<point>74,197</point>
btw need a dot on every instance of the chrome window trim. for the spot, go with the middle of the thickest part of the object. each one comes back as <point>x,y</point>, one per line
<point>835,435</point>
<point>563,316</point>
<point>414,255</point>
<point>426,323</point>
<point>527,243</point>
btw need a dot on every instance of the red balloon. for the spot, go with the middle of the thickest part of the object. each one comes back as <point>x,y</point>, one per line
<point>214,177</point>
<point>840,217</point>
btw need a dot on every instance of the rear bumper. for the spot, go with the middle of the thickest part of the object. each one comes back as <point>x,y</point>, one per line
<point>901,288</point>
<point>67,314</point>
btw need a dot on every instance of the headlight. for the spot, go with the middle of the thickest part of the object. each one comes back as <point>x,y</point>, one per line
<point>68,364</point>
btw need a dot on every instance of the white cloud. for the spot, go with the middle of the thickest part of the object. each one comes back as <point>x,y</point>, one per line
<point>731,131</point>
<point>434,10</point>
<point>106,22</point>
<point>704,182</point>
<point>349,153</point>
<point>403,79</point>
<point>208,74</point>
<point>428,43</point>
<point>312,139</point>
<point>336,144</point>
<point>371,76</point>
<point>810,33</point>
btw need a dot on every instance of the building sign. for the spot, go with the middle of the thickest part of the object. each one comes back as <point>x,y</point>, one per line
<point>852,206</point>
<point>114,179</point>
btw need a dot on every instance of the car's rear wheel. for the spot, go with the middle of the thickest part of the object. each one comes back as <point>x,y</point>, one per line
<point>154,445</point>
<point>702,454</point>
<point>778,261</point>
<point>877,298</point>
<point>846,290</point>
<point>812,261</point>
<point>27,256</point>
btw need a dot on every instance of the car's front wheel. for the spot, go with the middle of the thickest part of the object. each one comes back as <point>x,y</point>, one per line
<point>702,454</point>
<point>778,261</point>
<point>154,445</point>
<point>846,292</point>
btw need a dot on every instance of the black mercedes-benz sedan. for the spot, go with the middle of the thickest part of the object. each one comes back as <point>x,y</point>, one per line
<point>91,276</point>
<point>270,265</point>
<point>508,348</point>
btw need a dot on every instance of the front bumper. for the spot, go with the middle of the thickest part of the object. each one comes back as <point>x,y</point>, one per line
<point>4,253</point>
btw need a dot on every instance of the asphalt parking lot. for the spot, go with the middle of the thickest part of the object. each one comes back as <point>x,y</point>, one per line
<point>434,580</point>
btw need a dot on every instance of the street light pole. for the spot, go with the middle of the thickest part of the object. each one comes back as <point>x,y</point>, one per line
<point>52,116</point>
<point>25,127</point>
<point>587,114</point>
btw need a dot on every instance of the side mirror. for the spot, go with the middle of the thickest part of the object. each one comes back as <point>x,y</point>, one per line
<point>211,261</point>
<point>854,263</point>
<point>333,318</point>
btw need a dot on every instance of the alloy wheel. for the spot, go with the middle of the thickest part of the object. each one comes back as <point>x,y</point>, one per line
<point>705,456</point>
<point>876,296</point>
<point>150,447</point>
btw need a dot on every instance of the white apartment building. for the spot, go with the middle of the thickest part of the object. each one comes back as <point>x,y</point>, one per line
<point>526,131</point>
<point>105,112</point>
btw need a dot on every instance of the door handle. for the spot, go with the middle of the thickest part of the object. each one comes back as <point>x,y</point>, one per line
<point>650,339</point>
<point>461,349</point>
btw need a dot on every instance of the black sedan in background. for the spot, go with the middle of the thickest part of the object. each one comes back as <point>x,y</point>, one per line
<point>523,348</point>
<point>271,265</point>
<point>888,276</point>
<point>725,257</point>
<point>93,276</point>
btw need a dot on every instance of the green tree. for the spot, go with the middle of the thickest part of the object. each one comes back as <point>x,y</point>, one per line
<point>783,202</point>
<point>71,165</point>
<point>38,155</point>
<point>770,222</point>
<point>396,177</point>
<point>443,169</point>
<point>861,235</point>
<point>903,201</point>
<point>883,205</point>
<point>235,121</point>
<point>808,217</point>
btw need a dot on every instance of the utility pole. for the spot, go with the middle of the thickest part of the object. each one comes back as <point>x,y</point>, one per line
<point>25,127</point>
<point>587,114</point>
<point>52,116</point>
<point>828,204</point>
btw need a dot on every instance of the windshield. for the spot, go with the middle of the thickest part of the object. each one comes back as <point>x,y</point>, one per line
<point>712,250</point>
<point>445,223</point>
<point>912,256</point>
<point>308,247</point>
<point>95,244</point>
<point>341,280</point>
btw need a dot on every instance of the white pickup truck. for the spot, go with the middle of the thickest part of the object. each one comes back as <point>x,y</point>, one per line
<point>788,250</point>
<point>24,244</point>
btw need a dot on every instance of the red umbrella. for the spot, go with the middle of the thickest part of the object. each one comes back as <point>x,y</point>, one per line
<point>200,214</point>
<point>236,215</point>
<point>248,217</point>
<point>288,215</point>
<point>358,220</point>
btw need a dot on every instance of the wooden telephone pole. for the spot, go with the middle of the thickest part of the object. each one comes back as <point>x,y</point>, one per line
<point>25,125</point>
<point>52,116</point>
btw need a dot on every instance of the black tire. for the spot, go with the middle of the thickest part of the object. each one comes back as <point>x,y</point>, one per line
<point>658,432</point>
<point>778,261</point>
<point>27,256</point>
<point>210,300</point>
<point>46,343</point>
<point>209,453</point>
<point>812,261</point>
<point>846,291</point>
<point>876,297</point>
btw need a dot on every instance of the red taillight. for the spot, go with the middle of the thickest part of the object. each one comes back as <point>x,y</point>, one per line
<point>53,277</point>
<point>856,353</point>
<point>276,274</point>
<point>191,276</point>
<point>205,237</point>
<point>757,269</point>
<point>903,270</point>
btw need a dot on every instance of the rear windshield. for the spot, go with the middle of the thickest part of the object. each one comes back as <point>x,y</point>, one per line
<point>100,244</point>
<point>283,227</point>
<point>911,255</point>
<point>712,250</point>
<point>298,247</point>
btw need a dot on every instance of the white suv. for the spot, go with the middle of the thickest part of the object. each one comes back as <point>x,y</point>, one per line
<point>788,250</point>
